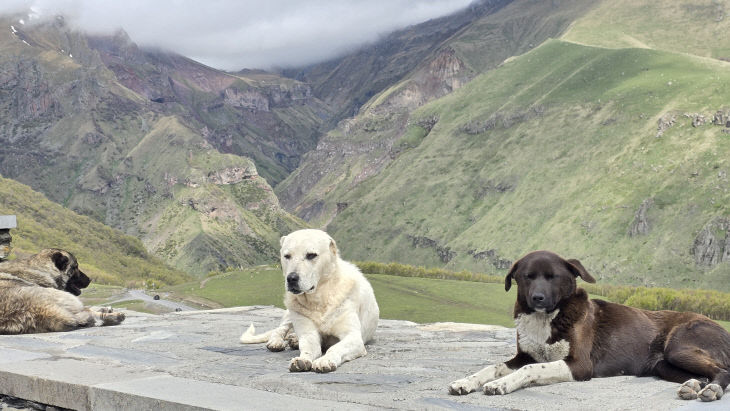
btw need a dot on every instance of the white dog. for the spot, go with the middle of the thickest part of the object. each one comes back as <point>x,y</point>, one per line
<point>330,305</point>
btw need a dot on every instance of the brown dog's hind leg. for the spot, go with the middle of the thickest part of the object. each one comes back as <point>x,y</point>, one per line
<point>700,348</point>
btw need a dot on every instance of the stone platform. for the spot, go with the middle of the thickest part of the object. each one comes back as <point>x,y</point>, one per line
<point>193,361</point>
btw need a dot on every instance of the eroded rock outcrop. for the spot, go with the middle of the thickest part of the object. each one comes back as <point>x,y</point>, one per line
<point>712,244</point>
<point>665,122</point>
<point>640,225</point>
<point>444,253</point>
<point>492,257</point>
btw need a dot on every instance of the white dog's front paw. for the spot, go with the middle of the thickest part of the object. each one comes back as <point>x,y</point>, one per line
<point>299,364</point>
<point>276,344</point>
<point>496,388</point>
<point>711,392</point>
<point>292,340</point>
<point>323,364</point>
<point>462,387</point>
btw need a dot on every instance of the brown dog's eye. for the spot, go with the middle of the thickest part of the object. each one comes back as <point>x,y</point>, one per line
<point>311,256</point>
<point>531,276</point>
<point>549,276</point>
<point>287,256</point>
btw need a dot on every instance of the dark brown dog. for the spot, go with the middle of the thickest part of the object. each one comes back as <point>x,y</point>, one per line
<point>564,336</point>
<point>38,294</point>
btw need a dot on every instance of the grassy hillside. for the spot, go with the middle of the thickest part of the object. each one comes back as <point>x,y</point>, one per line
<point>695,27</point>
<point>557,149</point>
<point>108,256</point>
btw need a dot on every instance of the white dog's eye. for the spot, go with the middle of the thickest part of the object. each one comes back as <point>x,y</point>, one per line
<point>287,256</point>
<point>311,256</point>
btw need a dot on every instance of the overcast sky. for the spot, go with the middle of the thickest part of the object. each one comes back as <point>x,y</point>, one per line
<point>232,35</point>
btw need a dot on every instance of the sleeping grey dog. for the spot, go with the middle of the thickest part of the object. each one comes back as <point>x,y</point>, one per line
<point>39,294</point>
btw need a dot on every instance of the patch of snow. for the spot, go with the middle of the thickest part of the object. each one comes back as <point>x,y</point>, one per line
<point>26,42</point>
<point>70,55</point>
<point>21,21</point>
<point>13,29</point>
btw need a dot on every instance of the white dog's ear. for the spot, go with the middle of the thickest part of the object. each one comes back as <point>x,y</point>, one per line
<point>333,247</point>
<point>281,240</point>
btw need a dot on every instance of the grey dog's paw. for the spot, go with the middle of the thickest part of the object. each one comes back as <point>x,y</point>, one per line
<point>299,364</point>
<point>112,318</point>
<point>711,392</point>
<point>689,390</point>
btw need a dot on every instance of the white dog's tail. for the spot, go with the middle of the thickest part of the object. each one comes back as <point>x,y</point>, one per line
<point>250,337</point>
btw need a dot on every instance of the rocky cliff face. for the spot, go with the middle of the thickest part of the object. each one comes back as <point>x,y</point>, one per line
<point>362,146</point>
<point>259,115</point>
<point>349,82</point>
<point>133,138</point>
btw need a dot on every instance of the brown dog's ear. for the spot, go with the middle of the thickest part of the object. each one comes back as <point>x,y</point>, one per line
<point>60,260</point>
<point>510,274</point>
<point>579,271</point>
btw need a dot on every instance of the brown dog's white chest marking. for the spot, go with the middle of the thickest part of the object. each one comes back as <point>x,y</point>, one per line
<point>533,331</point>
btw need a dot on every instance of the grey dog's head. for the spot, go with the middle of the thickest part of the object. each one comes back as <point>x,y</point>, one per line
<point>64,269</point>
<point>307,257</point>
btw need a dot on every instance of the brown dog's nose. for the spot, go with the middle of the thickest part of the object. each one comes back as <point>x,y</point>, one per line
<point>538,297</point>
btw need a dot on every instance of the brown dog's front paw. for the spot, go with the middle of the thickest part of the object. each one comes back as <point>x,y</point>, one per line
<point>711,392</point>
<point>495,388</point>
<point>462,387</point>
<point>689,390</point>
<point>323,364</point>
<point>299,364</point>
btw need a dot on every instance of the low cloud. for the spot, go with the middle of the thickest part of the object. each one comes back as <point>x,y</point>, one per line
<point>232,35</point>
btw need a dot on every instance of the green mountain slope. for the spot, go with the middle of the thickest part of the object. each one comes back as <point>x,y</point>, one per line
<point>558,149</point>
<point>108,256</point>
<point>108,146</point>
<point>696,27</point>
<point>362,146</point>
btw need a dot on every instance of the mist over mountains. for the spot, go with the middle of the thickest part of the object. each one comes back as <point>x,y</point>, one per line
<point>598,130</point>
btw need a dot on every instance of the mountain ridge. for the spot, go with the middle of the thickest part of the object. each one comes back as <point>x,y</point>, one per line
<point>73,130</point>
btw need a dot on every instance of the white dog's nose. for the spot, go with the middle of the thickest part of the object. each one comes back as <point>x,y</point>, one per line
<point>292,278</point>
